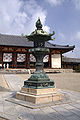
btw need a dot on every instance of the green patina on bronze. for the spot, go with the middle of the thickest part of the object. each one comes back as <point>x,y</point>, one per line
<point>39,79</point>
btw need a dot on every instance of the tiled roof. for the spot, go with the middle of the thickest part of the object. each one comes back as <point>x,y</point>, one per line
<point>71,60</point>
<point>12,40</point>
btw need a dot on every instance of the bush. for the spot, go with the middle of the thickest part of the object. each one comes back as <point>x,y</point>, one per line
<point>77,69</point>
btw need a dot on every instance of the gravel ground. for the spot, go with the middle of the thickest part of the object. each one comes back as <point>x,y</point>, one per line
<point>70,81</point>
<point>3,83</point>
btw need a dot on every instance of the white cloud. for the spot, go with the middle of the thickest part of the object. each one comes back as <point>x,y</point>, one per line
<point>19,16</point>
<point>61,35</point>
<point>77,36</point>
<point>46,28</point>
<point>59,2</point>
<point>77,4</point>
<point>75,40</point>
<point>55,2</point>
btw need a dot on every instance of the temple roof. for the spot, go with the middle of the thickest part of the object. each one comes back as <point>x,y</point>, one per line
<point>70,60</point>
<point>21,41</point>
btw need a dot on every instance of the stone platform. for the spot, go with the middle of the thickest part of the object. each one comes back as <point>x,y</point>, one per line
<point>38,96</point>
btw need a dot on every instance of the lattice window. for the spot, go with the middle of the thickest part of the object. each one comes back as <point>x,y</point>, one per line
<point>32,58</point>
<point>46,58</point>
<point>20,57</point>
<point>7,57</point>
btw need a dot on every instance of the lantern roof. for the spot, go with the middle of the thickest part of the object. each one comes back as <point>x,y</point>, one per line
<point>39,33</point>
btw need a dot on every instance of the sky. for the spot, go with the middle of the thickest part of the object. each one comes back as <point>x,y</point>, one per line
<point>61,16</point>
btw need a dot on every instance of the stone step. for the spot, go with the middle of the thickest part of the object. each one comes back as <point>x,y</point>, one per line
<point>31,71</point>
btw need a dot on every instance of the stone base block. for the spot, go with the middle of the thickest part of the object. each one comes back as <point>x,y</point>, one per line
<point>38,97</point>
<point>38,91</point>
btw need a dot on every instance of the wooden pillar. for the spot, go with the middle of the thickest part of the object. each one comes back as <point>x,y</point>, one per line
<point>49,60</point>
<point>27,60</point>
<point>61,60</point>
<point>1,58</point>
<point>14,60</point>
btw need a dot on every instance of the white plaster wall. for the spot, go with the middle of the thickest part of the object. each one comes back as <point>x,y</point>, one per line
<point>56,61</point>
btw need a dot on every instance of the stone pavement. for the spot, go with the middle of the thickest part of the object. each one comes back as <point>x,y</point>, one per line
<point>11,111</point>
<point>3,84</point>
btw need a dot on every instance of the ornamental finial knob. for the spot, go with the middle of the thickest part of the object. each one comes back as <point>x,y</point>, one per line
<point>38,24</point>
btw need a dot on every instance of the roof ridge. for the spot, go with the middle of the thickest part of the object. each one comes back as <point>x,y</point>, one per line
<point>11,35</point>
<point>58,45</point>
<point>61,45</point>
<point>51,43</point>
<point>71,58</point>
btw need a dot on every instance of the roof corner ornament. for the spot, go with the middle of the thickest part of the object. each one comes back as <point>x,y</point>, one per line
<point>52,35</point>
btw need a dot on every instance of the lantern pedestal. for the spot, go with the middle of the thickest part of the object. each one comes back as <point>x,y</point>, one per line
<point>38,96</point>
<point>39,79</point>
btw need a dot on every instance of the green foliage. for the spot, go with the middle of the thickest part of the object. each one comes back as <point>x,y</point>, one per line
<point>77,69</point>
<point>22,34</point>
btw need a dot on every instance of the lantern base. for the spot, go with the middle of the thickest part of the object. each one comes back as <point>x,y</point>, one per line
<point>39,84</point>
<point>38,96</point>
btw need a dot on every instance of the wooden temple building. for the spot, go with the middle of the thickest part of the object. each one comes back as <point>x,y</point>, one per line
<point>14,51</point>
<point>70,63</point>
